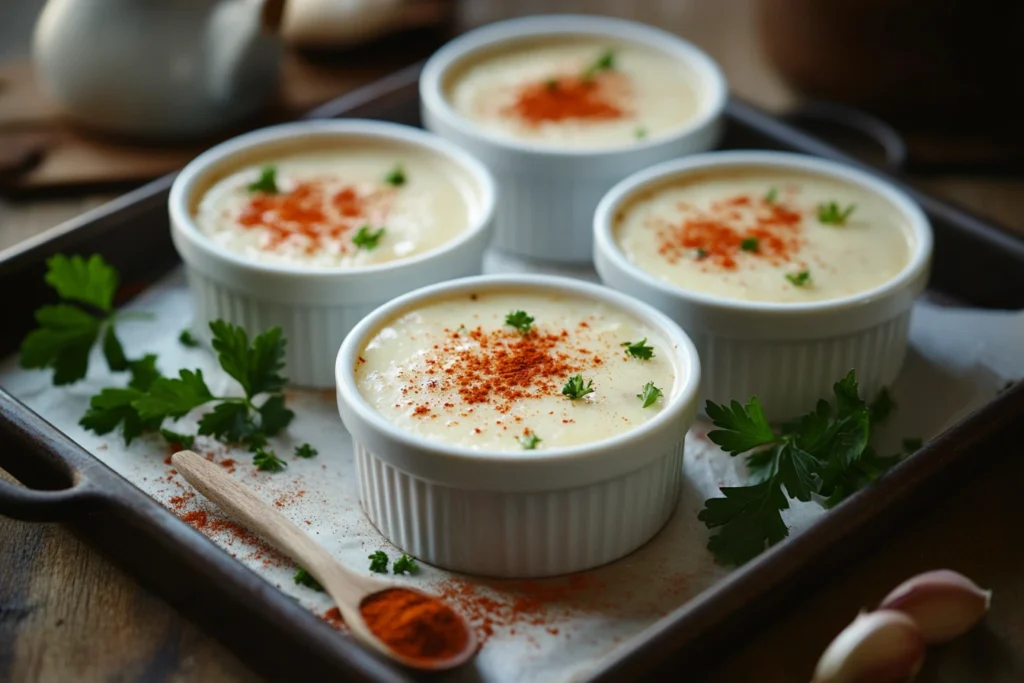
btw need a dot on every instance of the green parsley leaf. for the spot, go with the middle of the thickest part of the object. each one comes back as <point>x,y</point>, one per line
<point>274,416</point>
<point>801,279</point>
<point>367,238</point>
<point>405,565</point>
<point>520,320</point>
<point>63,340</point>
<point>396,176</point>
<point>575,388</point>
<point>257,368</point>
<point>229,422</point>
<point>92,282</point>
<point>267,461</point>
<point>772,195</point>
<point>174,396</point>
<point>113,351</point>
<point>749,244</point>
<point>700,254</point>
<point>143,372</point>
<point>639,350</point>
<point>112,407</point>
<point>604,62</point>
<point>304,578</point>
<point>649,394</point>
<point>379,562</point>
<point>740,428</point>
<point>187,339</point>
<point>830,213</point>
<point>748,519</point>
<point>176,439</point>
<point>267,183</point>
<point>529,441</point>
<point>882,407</point>
<point>306,451</point>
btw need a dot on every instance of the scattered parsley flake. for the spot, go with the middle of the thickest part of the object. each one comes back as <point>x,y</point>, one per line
<point>639,350</point>
<point>700,254</point>
<point>749,244</point>
<point>529,441</point>
<point>830,213</point>
<point>367,238</point>
<point>520,320</point>
<point>379,562</point>
<point>267,183</point>
<point>396,176</point>
<point>604,62</point>
<point>304,578</point>
<point>404,565</point>
<point>187,339</point>
<point>267,461</point>
<point>306,451</point>
<point>649,394</point>
<point>801,279</point>
<point>576,389</point>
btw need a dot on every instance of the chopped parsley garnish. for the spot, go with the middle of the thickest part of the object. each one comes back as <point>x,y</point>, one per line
<point>267,461</point>
<point>520,320</point>
<point>639,349</point>
<point>830,213</point>
<point>404,565</point>
<point>700,254</point>
<point>575,388</point>
<point>772,195</point>
<point>379,562</point>
<point>529,441</point>
<point>304,578</point>
<point>306,451</point>
<point>187,339</point>
<point>749,244</point>
<point>640,132</point>
<point>603,63</point>
<point>649,394</point>
<point>176,439</point>
<point>267,183</point>
<point>824,453</point>
<point>367,238</point>
<point>395,176</point>
<point>801,279</point>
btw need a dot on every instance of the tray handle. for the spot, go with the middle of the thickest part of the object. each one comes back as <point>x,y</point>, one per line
<point>814,113</point>
<point>45,505</point>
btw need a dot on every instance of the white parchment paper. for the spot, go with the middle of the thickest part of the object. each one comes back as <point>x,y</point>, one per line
<point>548,630</point>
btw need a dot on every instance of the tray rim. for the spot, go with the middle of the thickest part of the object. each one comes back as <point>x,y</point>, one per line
<point>924,466</point>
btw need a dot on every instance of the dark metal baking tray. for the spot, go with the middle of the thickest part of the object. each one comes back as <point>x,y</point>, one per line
<point>975,262</point>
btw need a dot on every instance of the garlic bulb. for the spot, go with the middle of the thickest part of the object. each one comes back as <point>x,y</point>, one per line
<point>878,647</point>
<point>943,603</point>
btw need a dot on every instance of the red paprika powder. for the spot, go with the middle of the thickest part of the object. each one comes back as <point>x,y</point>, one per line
<point>415,625</point>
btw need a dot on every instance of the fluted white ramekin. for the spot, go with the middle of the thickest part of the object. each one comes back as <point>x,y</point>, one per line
<point>548,195</point>
<point>521,513</point>
<point>787,354</point>
<point>315,306</point>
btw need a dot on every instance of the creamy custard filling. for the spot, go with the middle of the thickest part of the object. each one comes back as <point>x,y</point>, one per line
<point>455,371</point>
<point>765,235</point>
<point>575,92</point>
<point>354,206</point>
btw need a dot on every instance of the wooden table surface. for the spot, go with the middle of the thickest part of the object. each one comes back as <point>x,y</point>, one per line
<point>66,614</point>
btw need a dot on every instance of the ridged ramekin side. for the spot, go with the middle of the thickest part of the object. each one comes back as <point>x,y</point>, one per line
<point>522,535</point>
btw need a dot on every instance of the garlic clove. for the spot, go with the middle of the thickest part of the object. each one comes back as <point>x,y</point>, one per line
<point>878,647</point>
<point>943,603</point>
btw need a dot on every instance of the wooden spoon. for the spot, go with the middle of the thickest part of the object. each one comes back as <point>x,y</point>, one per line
<point>349,589</point>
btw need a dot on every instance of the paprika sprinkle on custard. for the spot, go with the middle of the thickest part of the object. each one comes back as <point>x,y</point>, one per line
<point>415,626</point>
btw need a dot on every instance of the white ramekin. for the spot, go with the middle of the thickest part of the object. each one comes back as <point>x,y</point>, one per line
<point>787,354</point>
<point>522,513</point>
<point>548,195</point>
<point>315,306</point>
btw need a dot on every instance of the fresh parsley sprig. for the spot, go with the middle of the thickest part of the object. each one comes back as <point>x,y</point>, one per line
<point>649,395</point>
<point>266,183</point>
<point>639,350</point>
<point>306,451</point>
<point>801,279</point>
<point>521,320</point>
<point>379,562</point>
<point>367,238</point>
<point>69,330</point>
<point>529,441</point>
<point>304,578</point>
<point>824,453</point>
<point>576,389</point>
<point>405,565</point>
<point>830,213</point>
<point>267,461</point>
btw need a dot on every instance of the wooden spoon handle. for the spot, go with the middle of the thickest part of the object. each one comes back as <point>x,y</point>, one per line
<point>241,503</point>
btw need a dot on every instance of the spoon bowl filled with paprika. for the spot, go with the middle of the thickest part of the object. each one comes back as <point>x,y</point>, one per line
<point>409,626</point>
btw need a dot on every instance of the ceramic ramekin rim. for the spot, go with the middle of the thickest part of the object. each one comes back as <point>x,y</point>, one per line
<point>681,406</point>
<point>184,225</point>
<point>431,85</point>
<point>915,269</point>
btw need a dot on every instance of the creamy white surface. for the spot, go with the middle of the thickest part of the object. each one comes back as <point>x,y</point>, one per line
<point>433,206</point>
<point>394,379</point>
<point>662,91</point>
<point>871,248</point>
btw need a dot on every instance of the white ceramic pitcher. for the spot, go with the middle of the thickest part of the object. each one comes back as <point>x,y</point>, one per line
<point>158,68</point>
